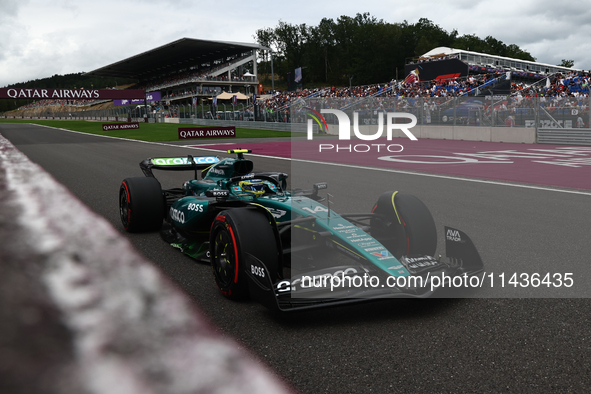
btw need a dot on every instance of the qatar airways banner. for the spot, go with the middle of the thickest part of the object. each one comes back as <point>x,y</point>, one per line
<point>77,94</point>
<point>206,132</point>
<point>121,126</point>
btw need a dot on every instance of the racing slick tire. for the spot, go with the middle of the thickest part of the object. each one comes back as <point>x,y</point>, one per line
<point>234,234</point>
<point>406,228</point>
<point>141,204</point>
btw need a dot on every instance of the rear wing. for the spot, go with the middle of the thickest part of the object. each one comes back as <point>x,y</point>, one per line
<point>182,163</point>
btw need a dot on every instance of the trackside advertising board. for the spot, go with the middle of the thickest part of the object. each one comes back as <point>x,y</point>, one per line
<point>121,126</point>
<point>150,97</point>
<point>206,132</point>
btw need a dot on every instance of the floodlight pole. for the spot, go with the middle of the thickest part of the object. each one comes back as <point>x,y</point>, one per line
<point>272,74</point>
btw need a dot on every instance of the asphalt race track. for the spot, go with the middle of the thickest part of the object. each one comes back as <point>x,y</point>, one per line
<point>528,344</point>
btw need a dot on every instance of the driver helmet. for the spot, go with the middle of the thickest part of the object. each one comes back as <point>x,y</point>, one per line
<point>255,187</point>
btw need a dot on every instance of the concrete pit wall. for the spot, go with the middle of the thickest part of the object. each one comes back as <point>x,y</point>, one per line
<point>81,311</point>
<point>468,133</point>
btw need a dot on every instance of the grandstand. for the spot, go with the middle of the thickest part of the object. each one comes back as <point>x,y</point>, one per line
<point>484,62</point>
<point>189,69</point>
<point>189,72</point>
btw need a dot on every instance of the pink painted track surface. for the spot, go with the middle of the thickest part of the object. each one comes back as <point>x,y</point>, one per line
<point>546,165</point>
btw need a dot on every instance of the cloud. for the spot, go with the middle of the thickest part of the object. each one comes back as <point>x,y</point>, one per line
<point>40,38</point>
<point>10,28</point>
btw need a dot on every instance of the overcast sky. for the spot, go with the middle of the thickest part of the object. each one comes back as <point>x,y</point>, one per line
<point>39,38</point>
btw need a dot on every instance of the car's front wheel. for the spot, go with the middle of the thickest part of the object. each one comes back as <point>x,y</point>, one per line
<point>238,235</point>
<point>404,225</point>
<point>141,204</point>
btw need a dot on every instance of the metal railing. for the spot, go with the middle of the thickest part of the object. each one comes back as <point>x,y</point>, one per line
<point>564,136</point>
<point>489,111</point>
<point>556,119</point>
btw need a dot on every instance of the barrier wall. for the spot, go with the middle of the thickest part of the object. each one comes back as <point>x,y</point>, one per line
<point>467,133</point>
<point>565,136</point>
<point>81,311</point>
<point>240,123</point>
<point>528,135</point>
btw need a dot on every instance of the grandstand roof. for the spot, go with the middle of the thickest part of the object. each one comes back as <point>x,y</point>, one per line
<point>172,56</point>
<point>443,51</point>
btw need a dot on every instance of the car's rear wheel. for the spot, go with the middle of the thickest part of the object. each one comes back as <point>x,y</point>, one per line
<point>405,226</point>
<point>141,204</point>
<point>237,235</point>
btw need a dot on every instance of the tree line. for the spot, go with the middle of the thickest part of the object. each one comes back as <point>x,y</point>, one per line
<point>363,49</point>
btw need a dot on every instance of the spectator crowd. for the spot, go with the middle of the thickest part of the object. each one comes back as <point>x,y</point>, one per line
<point>569,90</point>
<point>575,84</point>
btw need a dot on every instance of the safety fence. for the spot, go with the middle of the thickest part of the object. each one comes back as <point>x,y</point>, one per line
<point>489,111</point>
<point>555,119</point>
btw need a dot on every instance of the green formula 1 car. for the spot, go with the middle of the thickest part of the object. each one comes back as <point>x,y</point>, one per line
<point>285,248</point>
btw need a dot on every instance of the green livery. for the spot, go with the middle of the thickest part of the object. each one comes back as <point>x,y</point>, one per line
<point>289,249</point>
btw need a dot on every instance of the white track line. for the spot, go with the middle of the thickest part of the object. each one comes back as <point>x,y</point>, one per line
<point>488,182</point>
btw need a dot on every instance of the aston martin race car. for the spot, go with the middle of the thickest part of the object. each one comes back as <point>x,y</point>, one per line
<point>287,248</point>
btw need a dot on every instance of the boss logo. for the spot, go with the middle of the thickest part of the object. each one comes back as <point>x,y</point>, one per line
<point>258,271</point>
<point>217,193</point>
<point>195,207</point>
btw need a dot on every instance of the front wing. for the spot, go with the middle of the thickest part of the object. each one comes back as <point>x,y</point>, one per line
<point>357,283</point>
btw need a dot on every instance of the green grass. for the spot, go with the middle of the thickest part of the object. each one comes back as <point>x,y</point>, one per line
<point>146,132</point>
